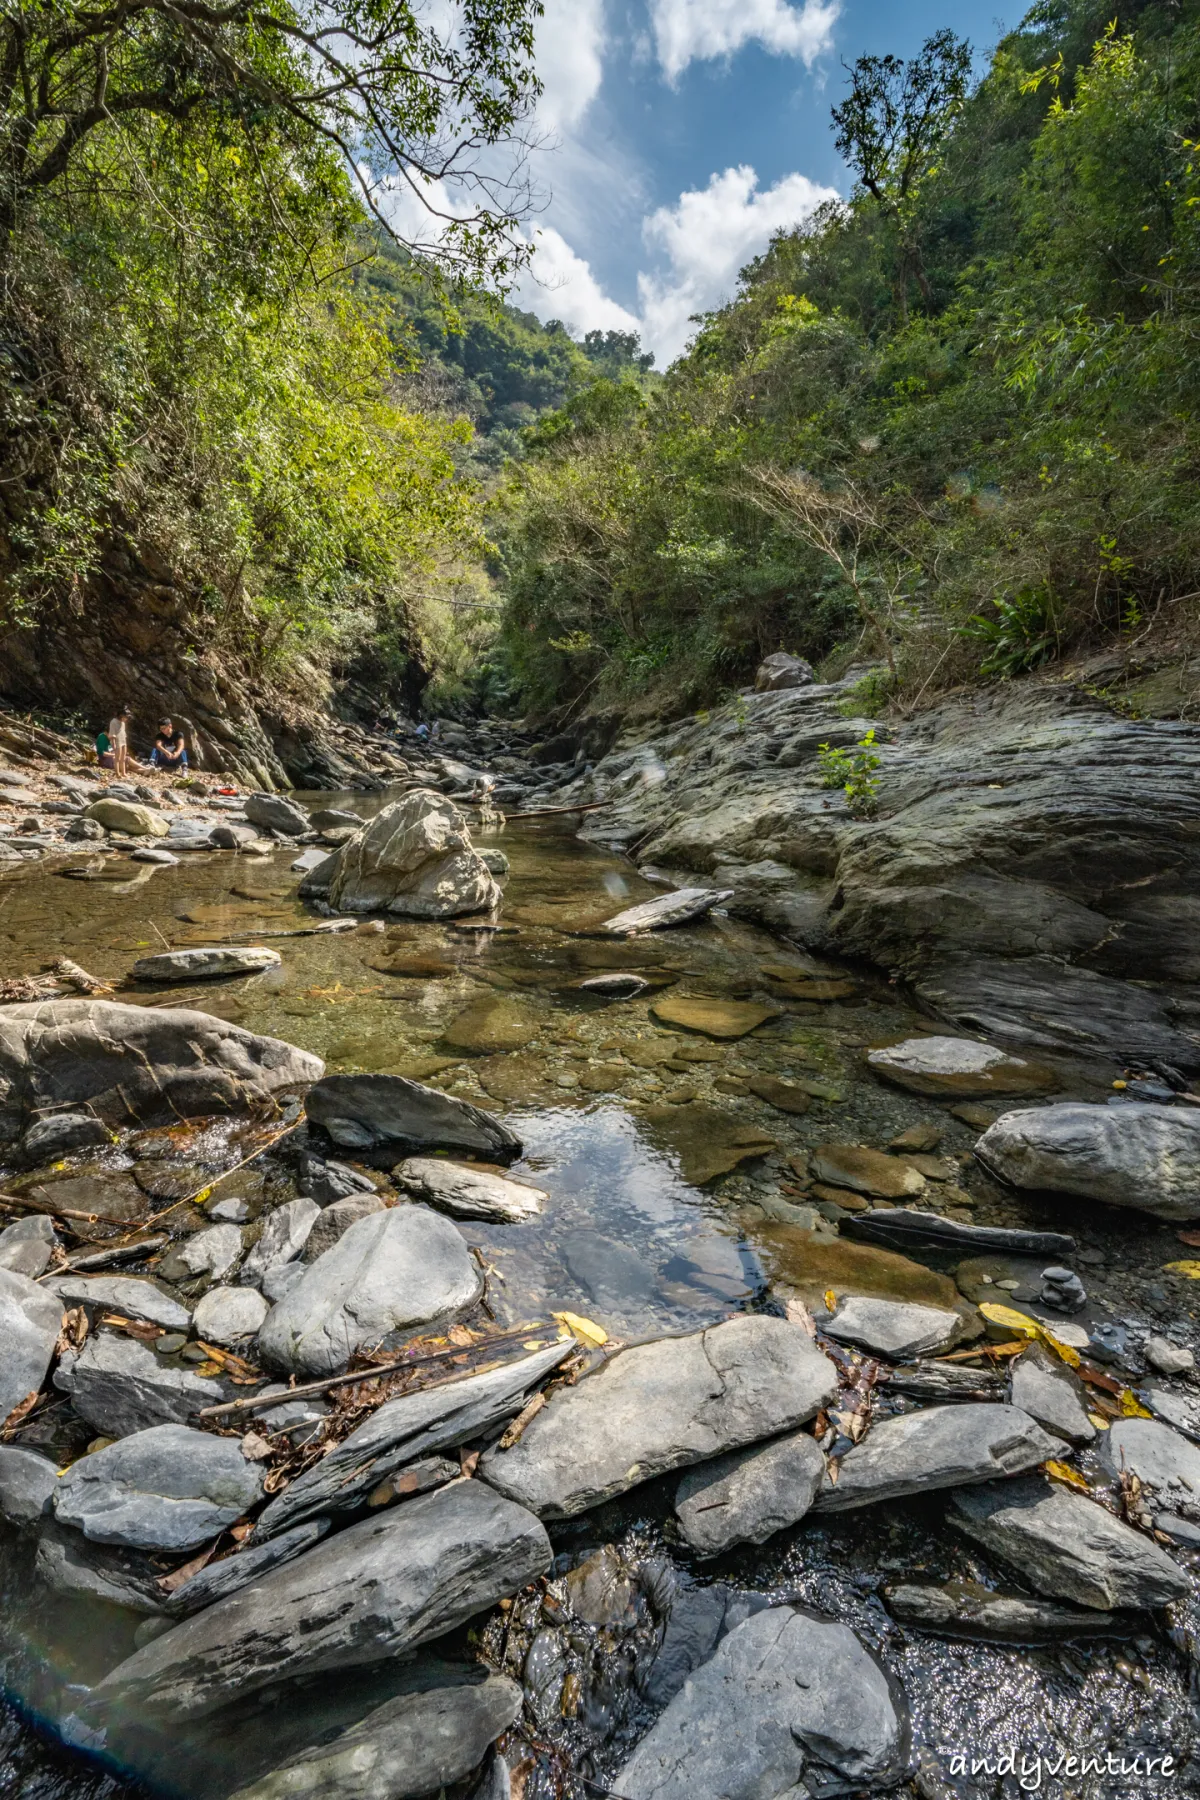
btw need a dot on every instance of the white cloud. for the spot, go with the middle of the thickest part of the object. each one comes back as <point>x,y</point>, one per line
<point>560,285</point>
<point>696,30</point>
<point>706,238</point>
<point>570,51</point>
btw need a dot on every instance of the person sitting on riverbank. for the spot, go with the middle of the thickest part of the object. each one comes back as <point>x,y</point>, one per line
<point>118,741</point>
<point>106,756</point>
<point>170,749</point>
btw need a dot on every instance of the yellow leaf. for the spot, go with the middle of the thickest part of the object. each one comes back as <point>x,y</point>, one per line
<point>1071,1357</point>
<point>830,1300</point>
<point>1099,1421</point>
<point>1189,1268</point>
<point>1061,1471</point>
<point>584,1329</point>
<point>1009,1318</point>
<point>1131,1407</point>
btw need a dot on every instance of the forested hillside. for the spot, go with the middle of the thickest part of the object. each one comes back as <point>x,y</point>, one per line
<point>951,425</point>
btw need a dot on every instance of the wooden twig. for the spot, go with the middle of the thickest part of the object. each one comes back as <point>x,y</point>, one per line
<point>59,1212</point>
<point>546,812</point>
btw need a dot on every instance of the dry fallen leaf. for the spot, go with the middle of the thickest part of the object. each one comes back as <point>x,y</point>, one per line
<point>468,1462</point>
<point>830,1300</point>
<point>1061,1471</point>
<point>586,1330</point>
<point>798,1314</point>
<point>1188,1267</point>
<point>255,1448</point>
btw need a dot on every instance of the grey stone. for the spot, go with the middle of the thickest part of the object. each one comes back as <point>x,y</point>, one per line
<point>1066,1546</point>
<point>70,1566</point>
<point>326,1182</point>
<point>163,1489</point>
<point>414,859</point>
<point>227,1315</point>
<point>281,1280</point>
<point>337,1219</point>
<point>1184,1532</point>
<point>229,835</point>
<point>663,1406</point>
<point>317,868</point>
<point>894,1328</point>
<point>616,985</point>
<point>391,1115</point>
<point>85,831</point>
<point>120,1386</point>
<point>217,1580</point>
<point>26,1485</point>
<point>779,671</point>
<point>375,1590</point>
<point>941,1446</point>
<point>284,1235</point>
<point>1047,1390</point>
<point>1138,1155</point>
<point>494,861</point>
<point>957,1068</point>
<point>25,1247</point>
<point>419,1743</point>
<point>469,1193</point>
<point>151,853</point>
<point>204,965</point>
<point>746,1497</point>
<point>129,818</point>
<point>29,1324</point>
<point>211,1252</point>
<point>1179,1407</point>
<point>137,1064</point>
<point>271,812</point>
<point>405,1430</point>
<point>394,1270</point>
<point>229,1212</point>
<point>667,910</point>
<point>59,1133</point>
<point>128,1294</point>
<point>785,1695</point>
<point>1165,1462</point>
<point>966,1609</point>
<point>904,1229</point>
<point>697,1619</point>
<point>1160,1353</point>
<point>328,818</point>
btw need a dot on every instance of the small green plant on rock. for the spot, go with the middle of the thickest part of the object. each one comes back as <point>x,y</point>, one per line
<point>853,771</point>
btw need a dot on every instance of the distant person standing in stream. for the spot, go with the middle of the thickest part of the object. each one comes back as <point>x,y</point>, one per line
<point>118,739</point>
<point>170,749</point>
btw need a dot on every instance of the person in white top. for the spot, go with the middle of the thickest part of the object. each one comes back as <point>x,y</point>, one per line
<point>118,738</point>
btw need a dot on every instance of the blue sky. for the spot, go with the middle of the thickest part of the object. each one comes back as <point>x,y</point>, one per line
<point>679,134</point>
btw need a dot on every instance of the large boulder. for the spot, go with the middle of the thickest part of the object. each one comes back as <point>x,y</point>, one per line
<point>391,1271</point>
<point>373,1591</point>
<point>137,1064</point>
<point>388,1116</point>
<point>941,1446</point>
<point>1137,1155</point>
<point>431,1735</point>
<point>414,859</point>
<point>127,818</point>
<point>164,1489</point>
<point>784,1694</point>
<point>779,671</point>
<point>29,1324</point>
<point>663,1406</point>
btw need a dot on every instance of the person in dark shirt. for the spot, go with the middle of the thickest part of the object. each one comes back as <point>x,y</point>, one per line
<point>170,748</point>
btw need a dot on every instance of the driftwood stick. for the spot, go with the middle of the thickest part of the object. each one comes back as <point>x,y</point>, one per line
<point>547,812</point>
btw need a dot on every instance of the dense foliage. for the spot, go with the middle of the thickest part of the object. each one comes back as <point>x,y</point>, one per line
<point>951,425</point>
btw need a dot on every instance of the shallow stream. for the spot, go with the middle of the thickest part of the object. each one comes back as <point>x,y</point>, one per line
<point>673,1202</point>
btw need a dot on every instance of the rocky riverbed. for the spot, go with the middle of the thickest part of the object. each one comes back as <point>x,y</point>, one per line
<point>457,1340</point>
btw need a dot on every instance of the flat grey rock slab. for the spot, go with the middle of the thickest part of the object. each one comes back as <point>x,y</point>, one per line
<point>1138,1155</point>
<point>137,1064</point>
<point>406,1430</point>
<point>394,1270</point>
<point>469,1193</point>
<point>1163,1460</point>
<point>168,1488</point>
<point>783,1695</point>
<point>966,1609</point>
<point>128,1294</point>
<point>1047,1390</point>
<point>284,1235</point>
<point>27,1483</point>
<point>375,1590</point>
<point>747,1496</point>
<point>677,908</point>
<point>892,1328</point>
<point>1166,1357</point>
<point>211,1252</point>
<point>220,1579</point>
<point>1178,1406</point>
<point>957,1068</point>
<point>419,1743</point>
<point>229,1315</point>
<point>150,853</point>
<point>70,1566</point>
<point>1067,1546</point>
<point>334,1222</point>
<point>938,1447</point>
<point>271,812</point>
<point>204,964</point>
<point>29,1324</point>
<point>905,1228</point>
<point>25,1247</point>
<point>391,1117</point>
<point>58,1134</point>
<point>120,1386</point>
<point>664,1406</point>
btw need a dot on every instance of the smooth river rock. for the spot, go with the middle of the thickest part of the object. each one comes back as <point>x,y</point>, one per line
<point>941,1446</point>
<point>137,1064</point>
<point>334,1222</point>
<point>389,1272</point>
<point>432,1734</point>
<point>26,1246</point>
<point>958,1068</point>
<point>388,1116</point>
<point>746,1497</point>
<point>229,1315</point>
<point>1067,1546</point>
<point>375,1590</point>
<point>667,910</point>
<point>725,1019</point>
<point>204,964</point>
<point>27,1485</point>
<point>1138,1155</point>
<point>784,1694</point>
<point>467,1192</point>
<point>121,1386</point>
<point>664,1406</point>
<point>1049,1392</point>
<point>892,1328</point>
<point>415,859</point>
<point>127,818</point>
<point>29,1325</point>
<point>164,1489</point>
<point>212,1252</point>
